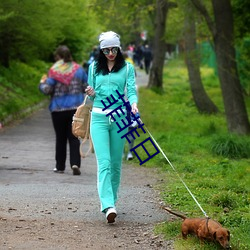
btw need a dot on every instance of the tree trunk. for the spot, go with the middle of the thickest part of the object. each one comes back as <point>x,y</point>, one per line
<point>233,97</point>
<point>159,47</point>
<point>201,99</point>
<point>223,38</point>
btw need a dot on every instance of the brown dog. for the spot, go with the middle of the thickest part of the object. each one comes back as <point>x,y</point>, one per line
<point>204,229</point>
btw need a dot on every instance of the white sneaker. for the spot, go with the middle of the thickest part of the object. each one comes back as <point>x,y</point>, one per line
<point>129,156</point>
<point>111,214</point>
<point>76,170</point>
<point>58,171</point>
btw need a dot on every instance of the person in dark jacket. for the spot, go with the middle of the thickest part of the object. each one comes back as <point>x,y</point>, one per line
<point>147,54</point>
<point>65,83</point>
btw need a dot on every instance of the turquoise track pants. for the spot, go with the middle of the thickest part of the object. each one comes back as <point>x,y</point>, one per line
<point>108,147</point>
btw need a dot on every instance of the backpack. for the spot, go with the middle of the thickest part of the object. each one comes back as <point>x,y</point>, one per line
<point>81,126</point>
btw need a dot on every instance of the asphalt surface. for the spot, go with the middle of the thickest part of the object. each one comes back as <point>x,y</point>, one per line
<point>26,164</point>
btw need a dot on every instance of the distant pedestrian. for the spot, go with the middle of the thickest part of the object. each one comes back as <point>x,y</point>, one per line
<point>147,54</point>
<point>93,55</point>
<point>65,84</point>
<point>138,56</point>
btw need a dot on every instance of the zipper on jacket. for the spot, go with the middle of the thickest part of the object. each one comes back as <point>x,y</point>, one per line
<point>109,84</point>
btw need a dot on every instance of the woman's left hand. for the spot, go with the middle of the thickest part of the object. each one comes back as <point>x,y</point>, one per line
<point>134,108</point>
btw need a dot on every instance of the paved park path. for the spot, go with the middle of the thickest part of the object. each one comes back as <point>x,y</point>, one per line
<point>40,209</point>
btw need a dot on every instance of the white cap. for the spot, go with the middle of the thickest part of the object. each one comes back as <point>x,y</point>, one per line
<point>109,39</point>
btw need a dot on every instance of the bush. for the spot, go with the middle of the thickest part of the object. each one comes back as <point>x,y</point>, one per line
<point>223,200</point>
<point>231,146</point>
<point>19,88</point>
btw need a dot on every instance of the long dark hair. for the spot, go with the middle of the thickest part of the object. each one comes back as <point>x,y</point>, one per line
<point>63,52</point>
<point>102,67</point>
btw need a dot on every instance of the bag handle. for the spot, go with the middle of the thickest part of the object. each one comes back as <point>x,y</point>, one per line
<point>91,148</point>
<point>85,99</point>
<point>85,139</point>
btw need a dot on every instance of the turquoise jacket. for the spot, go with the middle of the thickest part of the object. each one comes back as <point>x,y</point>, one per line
<point>104,85</point>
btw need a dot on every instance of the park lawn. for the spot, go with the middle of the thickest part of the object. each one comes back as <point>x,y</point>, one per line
<point>214,164</point>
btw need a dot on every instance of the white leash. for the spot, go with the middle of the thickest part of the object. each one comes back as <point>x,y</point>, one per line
<point>175,170</point>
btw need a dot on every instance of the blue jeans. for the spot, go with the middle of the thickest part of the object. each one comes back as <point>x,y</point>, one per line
<point>108,147</point>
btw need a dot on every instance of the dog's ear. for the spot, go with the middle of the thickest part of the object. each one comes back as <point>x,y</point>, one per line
<point>214,235</point>
<point>228,237</point>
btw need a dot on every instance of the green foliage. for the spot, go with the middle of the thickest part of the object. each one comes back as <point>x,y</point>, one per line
<point>175,28</point>
<point>175,25</point>
<point>128,18</point>
<point>19,87</point>
<point>241,17</point>
<point>224,200</point>
<point>219,183</point>
<point>29,33</point>
<point>243,59</point>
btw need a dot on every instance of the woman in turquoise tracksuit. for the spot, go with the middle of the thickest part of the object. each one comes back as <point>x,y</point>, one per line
<point>108,75</point>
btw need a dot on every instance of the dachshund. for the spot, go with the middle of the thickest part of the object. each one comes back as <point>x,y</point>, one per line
<point>204,229</point>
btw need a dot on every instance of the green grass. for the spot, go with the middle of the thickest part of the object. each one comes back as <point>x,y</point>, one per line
<point>19,88</point>
<point>214,164</point>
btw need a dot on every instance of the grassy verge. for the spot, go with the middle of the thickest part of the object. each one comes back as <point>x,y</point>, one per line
<point>214,164</point>
<point>19,88</point>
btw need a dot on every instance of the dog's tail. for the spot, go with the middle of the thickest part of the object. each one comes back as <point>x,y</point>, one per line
<point>175,213</point>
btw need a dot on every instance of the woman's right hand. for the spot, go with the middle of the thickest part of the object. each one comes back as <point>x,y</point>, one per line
<point>90,91</point>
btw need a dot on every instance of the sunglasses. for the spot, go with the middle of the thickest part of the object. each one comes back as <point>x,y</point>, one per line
<point>106,51</point>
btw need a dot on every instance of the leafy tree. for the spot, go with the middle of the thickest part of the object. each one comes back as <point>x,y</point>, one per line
<point>28,33</point>
<point>78,29</point>
<point>242,33</point>
<point>156,72</point>
<point>21,35</point>
<point>134,18</point>
<point>241,18</point>
<point>221,28</point>
<point>201,99</point>
<point>126,17</point>
<point>175,24</point>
